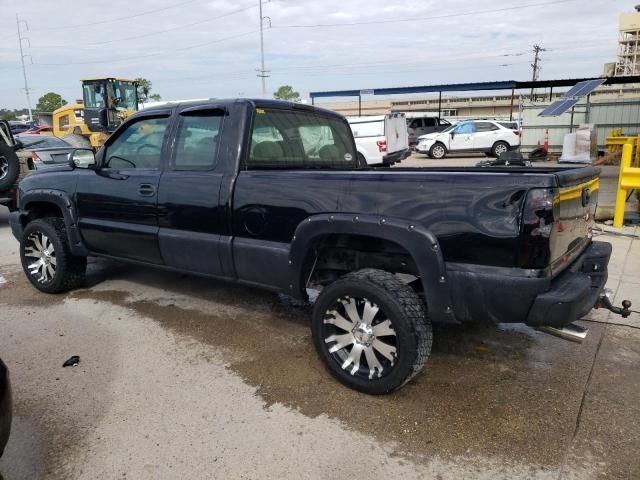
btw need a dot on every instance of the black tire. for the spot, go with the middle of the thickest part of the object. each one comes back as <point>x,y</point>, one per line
<point>362,162</point>
<point>58,270</point>
<point>408,331</point>
<point>76,140</point>
<point>9,167</point>
<point>438,151</point>
<point>499,148</point>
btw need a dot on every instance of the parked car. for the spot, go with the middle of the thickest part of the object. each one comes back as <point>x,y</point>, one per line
<point>43,151</point>
<point>421,124</point>
<point>41,129</point>
<point>484,136</point>
<point>12,167</point>
<point>5,406</point>
<point>19,127</point>
<point>380,139</point>
<point>270,194</point>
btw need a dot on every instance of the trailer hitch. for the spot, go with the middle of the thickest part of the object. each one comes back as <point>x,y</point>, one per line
<point>605,302</point>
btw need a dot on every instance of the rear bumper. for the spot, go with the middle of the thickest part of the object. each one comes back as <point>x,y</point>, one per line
<point>574,292</point>
<point>517,296</point>
<point>395,157</point>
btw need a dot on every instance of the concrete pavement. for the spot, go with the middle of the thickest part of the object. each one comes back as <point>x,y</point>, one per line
<point>183,377</point>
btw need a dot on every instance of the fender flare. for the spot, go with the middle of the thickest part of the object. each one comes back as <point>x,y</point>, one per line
<point>421,244</point>
<point>63,201</point>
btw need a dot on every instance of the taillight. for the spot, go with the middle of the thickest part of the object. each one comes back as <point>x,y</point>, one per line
<point>382,145</point>
<point>516,133</point>
<point>540,213</point>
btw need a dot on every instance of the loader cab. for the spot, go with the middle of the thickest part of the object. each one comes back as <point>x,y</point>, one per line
<point>108,102</point>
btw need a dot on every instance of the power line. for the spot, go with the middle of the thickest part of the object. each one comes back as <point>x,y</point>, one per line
<point>432,17</point>
<point>127,17</point>
<point>148,55</point>
<point>155,32</point>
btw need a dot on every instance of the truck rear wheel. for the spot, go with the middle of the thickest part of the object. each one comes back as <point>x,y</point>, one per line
<point>46,258</point>
<point>9,167</point>
<point>371,330</point>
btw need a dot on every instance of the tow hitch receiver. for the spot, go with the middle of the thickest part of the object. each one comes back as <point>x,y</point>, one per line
<point>572,332</point>
<point>605,302</point>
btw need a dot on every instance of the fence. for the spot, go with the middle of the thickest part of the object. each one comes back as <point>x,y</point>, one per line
<point>607,115</point>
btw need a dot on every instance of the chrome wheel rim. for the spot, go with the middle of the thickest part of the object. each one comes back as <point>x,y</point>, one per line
<point>360,337</point>
<point>4,167</point>
<point>41,257</point>
<point>438,152</point>
<point>500,149</point>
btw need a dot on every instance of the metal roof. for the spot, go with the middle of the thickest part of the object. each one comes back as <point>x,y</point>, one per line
<point>467,87</point>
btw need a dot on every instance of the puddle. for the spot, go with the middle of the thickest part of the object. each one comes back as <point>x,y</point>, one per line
<point>486,389</point>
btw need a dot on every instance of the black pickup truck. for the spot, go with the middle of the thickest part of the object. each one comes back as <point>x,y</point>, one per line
<point>270,194</point>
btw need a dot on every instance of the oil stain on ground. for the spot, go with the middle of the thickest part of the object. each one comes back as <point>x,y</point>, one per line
<point>486,389</point>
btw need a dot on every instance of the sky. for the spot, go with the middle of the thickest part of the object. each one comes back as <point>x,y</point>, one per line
<point>211,48</point>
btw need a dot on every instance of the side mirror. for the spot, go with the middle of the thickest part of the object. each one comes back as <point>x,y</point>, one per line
<point>82,158</point>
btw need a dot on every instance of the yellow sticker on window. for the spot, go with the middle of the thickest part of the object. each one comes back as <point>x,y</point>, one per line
<point>260,111</point>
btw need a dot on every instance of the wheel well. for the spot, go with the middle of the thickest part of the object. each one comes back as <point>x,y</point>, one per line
<point>331,256</point>
<point>37,210</point>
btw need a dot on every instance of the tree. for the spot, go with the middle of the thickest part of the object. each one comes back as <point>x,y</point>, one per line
<point>50,102</point>
<point>144,90</point>
<point>286,92</point>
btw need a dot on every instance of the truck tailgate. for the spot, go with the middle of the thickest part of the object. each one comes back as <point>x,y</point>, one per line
<point>578,200</point>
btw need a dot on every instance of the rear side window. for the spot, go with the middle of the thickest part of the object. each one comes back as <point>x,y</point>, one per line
<point>429,122</point>
<point>509,125</point>
<point>197,140</point>
<point>486,127</point>
<point>290,139</point>
<point>417,123</point>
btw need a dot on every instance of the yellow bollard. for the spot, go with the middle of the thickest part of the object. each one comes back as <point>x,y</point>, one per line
<point>621,198</point>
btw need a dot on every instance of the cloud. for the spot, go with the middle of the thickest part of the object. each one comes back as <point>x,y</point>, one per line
<point>210,48</point>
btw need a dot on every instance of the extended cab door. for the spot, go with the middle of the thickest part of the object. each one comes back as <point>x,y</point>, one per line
<point>193,223</point>
<point>461,137</point>
<point>117,203</point>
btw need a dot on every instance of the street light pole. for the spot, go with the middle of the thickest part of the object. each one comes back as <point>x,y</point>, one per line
<point>24,70</point>
<point>262,73</point>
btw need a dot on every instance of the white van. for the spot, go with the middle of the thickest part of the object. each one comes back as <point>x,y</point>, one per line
<point>381,139</point>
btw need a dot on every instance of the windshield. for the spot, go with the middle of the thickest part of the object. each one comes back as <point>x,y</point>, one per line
<point>112,93</point>
<point>124,94</point>
<point>448,129</point>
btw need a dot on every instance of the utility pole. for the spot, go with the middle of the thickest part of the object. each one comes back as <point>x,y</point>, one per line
<point>22,55</point>
<point>262,73</point>
<point>536,64</point>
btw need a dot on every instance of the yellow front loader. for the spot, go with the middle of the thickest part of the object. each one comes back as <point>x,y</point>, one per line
<point>106,103</point>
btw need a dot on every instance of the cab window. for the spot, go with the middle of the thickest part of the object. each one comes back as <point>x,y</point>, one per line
<point>197,140</point>
<point>292,139</point>
<point>464,128</point>
<point>139,146</point>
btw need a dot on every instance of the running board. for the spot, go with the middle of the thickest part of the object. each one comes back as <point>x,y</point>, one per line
<point>571,332</point>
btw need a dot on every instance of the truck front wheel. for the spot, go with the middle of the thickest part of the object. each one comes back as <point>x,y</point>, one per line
<point>438,151</point>
<point>371,331</point>
<point>46,259</point>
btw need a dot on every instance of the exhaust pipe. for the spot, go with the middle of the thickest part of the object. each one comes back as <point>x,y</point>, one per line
<point>571,332</point>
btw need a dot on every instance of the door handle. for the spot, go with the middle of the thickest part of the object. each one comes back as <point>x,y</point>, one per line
<point>147,190</point>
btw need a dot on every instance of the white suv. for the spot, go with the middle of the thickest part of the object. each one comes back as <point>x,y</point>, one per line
<point>486,136</point>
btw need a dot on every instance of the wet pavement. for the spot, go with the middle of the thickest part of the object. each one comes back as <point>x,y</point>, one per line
<point>184,377</point>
